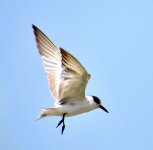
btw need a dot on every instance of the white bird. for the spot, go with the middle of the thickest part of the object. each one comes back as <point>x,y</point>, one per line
<point>67,81</point>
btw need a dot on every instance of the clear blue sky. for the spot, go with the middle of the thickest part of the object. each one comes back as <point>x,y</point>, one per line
<point>112,39</point>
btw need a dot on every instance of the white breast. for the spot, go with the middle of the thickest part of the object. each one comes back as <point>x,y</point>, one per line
<point>73,108</point>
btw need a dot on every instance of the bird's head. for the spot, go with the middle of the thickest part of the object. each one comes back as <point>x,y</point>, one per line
<point>99,104</point>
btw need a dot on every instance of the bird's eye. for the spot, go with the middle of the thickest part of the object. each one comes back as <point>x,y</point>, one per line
<point>96,100</point>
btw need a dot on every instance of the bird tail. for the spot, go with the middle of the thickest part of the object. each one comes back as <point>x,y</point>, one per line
<point>46,112</point>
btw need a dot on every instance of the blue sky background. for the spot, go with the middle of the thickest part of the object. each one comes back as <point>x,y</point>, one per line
<point>112,39</point>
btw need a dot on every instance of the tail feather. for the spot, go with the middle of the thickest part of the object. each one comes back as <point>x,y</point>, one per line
<point>47,112</point>
<point>42,114</point>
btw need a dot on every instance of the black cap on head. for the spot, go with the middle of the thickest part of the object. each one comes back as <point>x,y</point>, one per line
<point>98,102</point>
<point>96,99</point>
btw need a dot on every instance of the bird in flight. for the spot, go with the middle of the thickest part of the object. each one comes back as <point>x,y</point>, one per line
<point>67,80</point>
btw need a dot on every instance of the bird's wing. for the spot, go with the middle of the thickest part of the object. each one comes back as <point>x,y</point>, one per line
<point>66,76</point>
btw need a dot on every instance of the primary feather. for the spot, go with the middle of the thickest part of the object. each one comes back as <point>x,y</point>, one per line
<point>66,76</point>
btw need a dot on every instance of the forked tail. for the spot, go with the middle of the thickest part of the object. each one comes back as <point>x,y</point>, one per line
<point>47,112</point>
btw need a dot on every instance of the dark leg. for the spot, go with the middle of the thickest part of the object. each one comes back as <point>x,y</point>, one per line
<point>63,127</point>
<point>62,121</point>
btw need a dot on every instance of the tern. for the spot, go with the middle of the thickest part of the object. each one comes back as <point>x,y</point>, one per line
<point>67,80</point>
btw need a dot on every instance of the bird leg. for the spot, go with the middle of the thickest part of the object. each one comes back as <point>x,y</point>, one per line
<point>63,127</point>
<point>62,121</point>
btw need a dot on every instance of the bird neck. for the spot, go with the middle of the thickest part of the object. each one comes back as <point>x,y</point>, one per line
<point>90,101</point>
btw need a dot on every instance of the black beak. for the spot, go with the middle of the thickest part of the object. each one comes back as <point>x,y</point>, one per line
<point>100,106</point>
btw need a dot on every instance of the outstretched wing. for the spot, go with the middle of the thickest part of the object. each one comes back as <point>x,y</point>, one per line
<point>66,76</point>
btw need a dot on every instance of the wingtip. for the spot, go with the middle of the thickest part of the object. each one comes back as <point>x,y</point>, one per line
<point>34,27</point>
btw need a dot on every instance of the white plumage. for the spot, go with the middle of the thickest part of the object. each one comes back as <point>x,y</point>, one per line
<point>67,80</point>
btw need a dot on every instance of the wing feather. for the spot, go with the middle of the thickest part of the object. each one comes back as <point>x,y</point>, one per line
<point>66,76</point>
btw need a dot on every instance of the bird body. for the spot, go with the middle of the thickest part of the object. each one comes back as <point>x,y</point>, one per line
<point>67,80</point>
<point>71,108</point>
